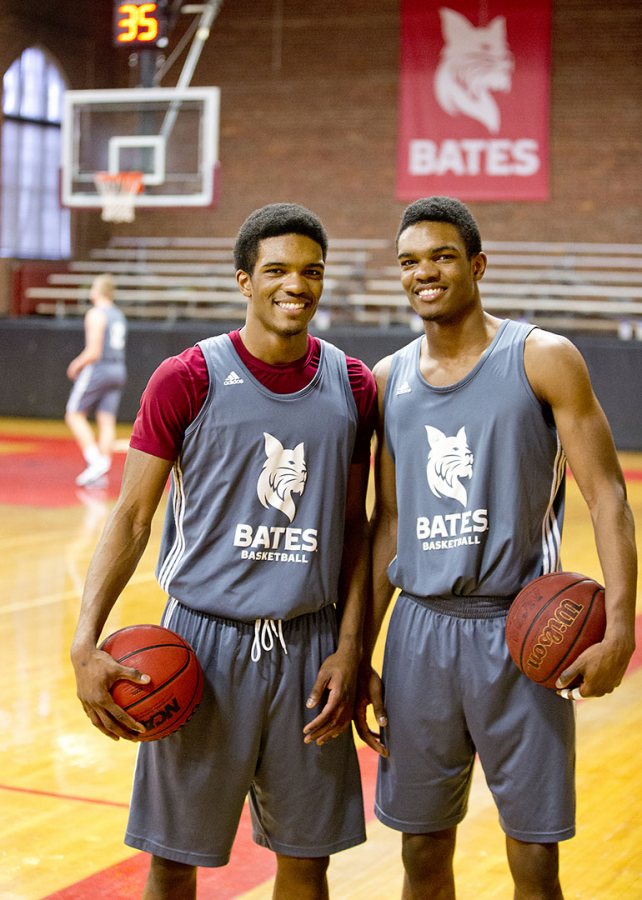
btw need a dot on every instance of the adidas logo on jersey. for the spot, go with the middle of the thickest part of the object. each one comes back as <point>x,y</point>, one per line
<point>233,378</point>
<point>404,389</point>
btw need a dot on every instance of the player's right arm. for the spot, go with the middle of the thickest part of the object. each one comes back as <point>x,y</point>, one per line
<point>170,402</point>
<point>114,561</point>
<point>384,546</point>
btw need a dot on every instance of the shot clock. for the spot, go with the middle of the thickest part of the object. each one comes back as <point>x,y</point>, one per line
<point>140,24</point>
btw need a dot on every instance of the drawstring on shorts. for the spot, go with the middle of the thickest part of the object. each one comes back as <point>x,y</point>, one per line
<point>266,632</point>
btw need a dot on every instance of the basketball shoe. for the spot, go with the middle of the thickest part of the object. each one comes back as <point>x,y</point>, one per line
<point>94,471</point>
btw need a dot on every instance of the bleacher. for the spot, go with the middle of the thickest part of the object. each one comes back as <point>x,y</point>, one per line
<point>581,287</point>
<point>565,287</point>
<point>189,278</point>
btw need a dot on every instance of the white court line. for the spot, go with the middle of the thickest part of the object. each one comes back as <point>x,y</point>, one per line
<point>38,602</point>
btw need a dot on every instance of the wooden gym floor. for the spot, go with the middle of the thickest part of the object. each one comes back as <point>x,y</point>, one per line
<point>64,788</point>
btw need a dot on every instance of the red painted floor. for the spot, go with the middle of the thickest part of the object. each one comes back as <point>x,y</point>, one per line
<point>249,866</point>
<point>40,471</point>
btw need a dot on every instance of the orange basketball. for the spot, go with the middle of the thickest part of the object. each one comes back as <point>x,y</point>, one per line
<point>552,621</point>
<point>176,684</point>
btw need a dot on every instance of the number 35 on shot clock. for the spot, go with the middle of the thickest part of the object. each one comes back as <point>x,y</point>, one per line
<point>140,24</point>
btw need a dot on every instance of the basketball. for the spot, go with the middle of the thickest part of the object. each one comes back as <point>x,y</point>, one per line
<point>552,621</point>
<point>176,684</point>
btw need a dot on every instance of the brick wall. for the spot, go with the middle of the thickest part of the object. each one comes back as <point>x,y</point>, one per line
<point>309,114</point>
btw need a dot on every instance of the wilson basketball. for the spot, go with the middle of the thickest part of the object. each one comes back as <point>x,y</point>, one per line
<point>552,621</point>
<point>176,684</point>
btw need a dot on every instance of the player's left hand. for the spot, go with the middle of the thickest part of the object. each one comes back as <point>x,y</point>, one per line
<point>73,370</point>
<point>336,680</point>
<point>600,669</point>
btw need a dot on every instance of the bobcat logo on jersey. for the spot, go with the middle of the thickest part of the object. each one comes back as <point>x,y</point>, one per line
<point>284,473</point>
<point>474,62</point>
<point>449,460</point>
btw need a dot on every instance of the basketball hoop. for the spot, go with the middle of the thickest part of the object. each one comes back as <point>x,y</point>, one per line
<point>118,192</point>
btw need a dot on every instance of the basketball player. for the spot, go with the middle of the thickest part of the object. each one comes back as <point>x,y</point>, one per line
<point>266,431</point>
<point>478,417</point>
<point>99,375</point>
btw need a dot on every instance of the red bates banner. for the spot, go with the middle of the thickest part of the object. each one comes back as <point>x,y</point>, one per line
<point>474,104</point>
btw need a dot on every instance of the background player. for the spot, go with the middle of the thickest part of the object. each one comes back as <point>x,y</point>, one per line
<point>264,557</point>
<point>99,374</point>
<point>477,419</point>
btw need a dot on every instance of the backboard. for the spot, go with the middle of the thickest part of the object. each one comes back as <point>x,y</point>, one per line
<point>168,134</point>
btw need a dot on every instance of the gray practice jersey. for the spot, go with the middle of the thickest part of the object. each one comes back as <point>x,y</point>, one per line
<point>254,525</point>
<point>480,475</point>
<point>115,336</point>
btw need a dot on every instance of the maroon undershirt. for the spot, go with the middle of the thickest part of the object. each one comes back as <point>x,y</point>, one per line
<point>178,388</point>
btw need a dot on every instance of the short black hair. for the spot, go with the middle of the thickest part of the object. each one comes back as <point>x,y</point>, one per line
<point>274,220</point>
<point>444,209</point>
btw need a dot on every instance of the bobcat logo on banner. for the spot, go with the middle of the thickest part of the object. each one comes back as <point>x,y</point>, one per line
<point>474,102</point>
<point>474,62</point>
<point>284,473</point>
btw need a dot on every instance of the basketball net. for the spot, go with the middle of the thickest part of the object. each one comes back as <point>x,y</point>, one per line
<point>118,192</point>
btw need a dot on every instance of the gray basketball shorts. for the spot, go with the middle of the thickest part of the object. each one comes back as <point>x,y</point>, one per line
<point>451,692</point>
<point>98,388</point>
<point>245,739</point>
